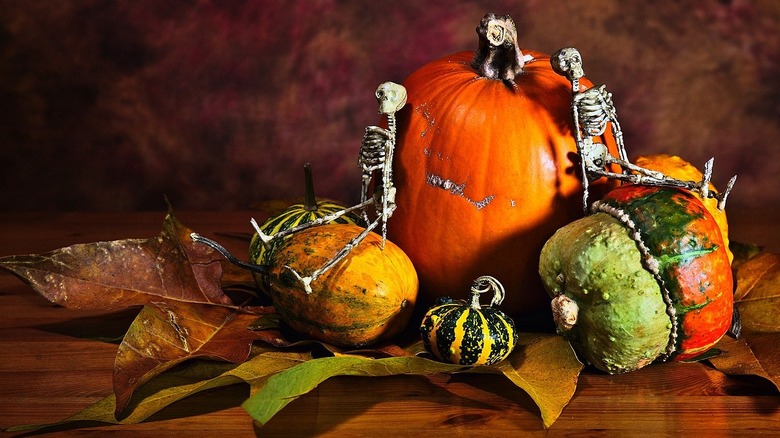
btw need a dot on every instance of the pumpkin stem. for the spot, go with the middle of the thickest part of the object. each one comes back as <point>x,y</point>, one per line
<point>498,56</point>
<point>309,200</point>
<point>484,284</point>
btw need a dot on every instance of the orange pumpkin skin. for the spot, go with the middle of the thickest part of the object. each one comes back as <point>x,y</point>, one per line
<point>485,174</point>
<point>366,298</point>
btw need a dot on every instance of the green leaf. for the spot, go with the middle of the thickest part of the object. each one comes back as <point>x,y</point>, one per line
<point>544,366</point>
<point>281,389</point>
<point>743,252</point>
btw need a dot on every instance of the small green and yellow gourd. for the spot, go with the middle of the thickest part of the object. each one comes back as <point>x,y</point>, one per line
<point>307,211</point>
<point>463,333</point>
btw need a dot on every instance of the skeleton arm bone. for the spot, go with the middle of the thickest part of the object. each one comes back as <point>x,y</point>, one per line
<point>343,252</point>
<point>267,239</point>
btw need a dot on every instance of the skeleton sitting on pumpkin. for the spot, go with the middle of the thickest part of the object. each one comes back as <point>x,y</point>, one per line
<point>592,109</point>
<point>375,157</point>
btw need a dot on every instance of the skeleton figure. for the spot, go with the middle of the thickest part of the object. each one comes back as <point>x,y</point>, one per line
<point>592,109</point>
<point>376,156</point>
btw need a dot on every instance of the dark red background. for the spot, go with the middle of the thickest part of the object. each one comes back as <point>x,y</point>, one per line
<point>109,105</point>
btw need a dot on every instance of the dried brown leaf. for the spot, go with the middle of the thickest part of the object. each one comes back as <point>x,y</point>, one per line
<point>758,293</point>
<point>123,273</point>
<point>165,334</point>
<point>545,367</point>
<point>754,354</point>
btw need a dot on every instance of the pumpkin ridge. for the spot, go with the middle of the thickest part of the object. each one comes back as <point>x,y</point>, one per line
<point>506,330</point>
<point>470,324</point>
<point>682,239</point>
<point>435,320</point>
<point>457,331</point>
<point>487,348</point>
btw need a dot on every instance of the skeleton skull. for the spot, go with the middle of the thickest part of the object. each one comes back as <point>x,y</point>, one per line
<point>391,97</point>
<point>568,62</point>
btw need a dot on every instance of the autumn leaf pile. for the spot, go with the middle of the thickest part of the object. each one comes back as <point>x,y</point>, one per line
<point>192,335</point>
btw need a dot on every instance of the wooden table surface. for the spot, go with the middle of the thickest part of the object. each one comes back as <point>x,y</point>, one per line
<point>47,372</point>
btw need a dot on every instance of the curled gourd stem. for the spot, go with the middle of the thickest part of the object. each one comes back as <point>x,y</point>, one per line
<point>484,284</point>
<point>498,56</point>
<point>262,269</point>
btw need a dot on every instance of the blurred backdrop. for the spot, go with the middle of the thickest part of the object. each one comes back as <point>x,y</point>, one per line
<point>110,105</point>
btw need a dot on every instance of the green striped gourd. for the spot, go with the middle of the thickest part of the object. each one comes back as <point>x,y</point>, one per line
<point>463,333</point>
<point>307,211</point>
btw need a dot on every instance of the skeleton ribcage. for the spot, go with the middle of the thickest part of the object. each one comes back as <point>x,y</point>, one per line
<point>594,107</point>
<point>372,152</point>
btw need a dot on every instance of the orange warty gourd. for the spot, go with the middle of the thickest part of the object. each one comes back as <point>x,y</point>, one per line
<point>366,298</point>
<point>486,167</point>
<point>677,167</point>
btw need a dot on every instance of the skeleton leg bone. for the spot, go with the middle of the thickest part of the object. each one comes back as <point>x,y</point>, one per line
<point>343,252</point>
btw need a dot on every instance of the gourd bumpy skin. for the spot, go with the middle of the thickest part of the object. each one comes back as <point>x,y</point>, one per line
<point>621,322</point>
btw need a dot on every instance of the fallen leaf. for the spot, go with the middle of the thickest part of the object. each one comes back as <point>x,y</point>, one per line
<point>753,354</point>
<point>165,334</point>
<point>757,294</point>
<point>743,252</point>
<point>544,366</point>
<point>123,273</point>
<point>180,383</point>
<point>757,299</point>
<point>186,315</point>
<point>547,369</point>
<point>282,388</point>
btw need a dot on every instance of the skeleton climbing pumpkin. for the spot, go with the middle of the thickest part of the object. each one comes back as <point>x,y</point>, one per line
<point>486,167</point>
<point>375,160</point>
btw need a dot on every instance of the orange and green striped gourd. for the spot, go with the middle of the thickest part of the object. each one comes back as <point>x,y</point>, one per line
<point>368,297</point>
<point>644,278</point>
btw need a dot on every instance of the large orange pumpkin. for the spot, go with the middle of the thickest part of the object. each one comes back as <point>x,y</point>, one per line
<point>486,169</point>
